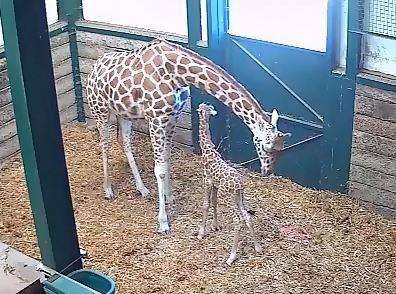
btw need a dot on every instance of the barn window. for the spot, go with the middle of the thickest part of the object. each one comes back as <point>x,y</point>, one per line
<point>165,16</point>
<point>379,49</point>
<point>300,24</point>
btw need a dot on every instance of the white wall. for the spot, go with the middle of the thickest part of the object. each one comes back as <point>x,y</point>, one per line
<point>300,23</point>
<point>52,15</point>
<point>165,16</point>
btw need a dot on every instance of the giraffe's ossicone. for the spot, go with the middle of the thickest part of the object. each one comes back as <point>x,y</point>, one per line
<point>145,83</point>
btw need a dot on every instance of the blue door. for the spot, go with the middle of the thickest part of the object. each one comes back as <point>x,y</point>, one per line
<point>283,52</point>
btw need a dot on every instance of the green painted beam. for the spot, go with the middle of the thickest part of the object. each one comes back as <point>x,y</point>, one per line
<point>31,76</point>
<point>353,39</point>
<point>194,22</point>
<point>71,11</point>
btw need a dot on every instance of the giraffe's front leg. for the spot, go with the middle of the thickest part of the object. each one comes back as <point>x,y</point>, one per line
<point>158,140</point>
<point>160,170</point>
<point>205,210</point>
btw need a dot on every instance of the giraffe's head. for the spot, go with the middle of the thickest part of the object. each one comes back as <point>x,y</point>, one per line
<point>269,143</point>
<point>206,110</point>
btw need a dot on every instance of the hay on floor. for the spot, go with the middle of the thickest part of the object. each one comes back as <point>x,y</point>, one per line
<point>344,248</point>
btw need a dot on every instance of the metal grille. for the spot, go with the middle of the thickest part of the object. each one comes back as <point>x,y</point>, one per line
<point>379,17</point>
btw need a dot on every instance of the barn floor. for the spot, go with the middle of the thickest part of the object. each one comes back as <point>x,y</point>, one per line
<point>346,249</point>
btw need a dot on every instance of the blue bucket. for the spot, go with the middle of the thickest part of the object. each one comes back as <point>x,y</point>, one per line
<point>94,280</point>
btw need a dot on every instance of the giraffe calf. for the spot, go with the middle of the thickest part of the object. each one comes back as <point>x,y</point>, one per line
<point>219,176</point>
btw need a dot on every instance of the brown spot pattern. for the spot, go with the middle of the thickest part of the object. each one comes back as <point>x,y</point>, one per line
<point>148,84</point>
<point>195,69</point>
<point>213,76</point>
<point>164,88</point>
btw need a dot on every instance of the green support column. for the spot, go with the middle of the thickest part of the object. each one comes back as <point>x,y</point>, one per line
<point>29,66</point>
<point>71,11</point>
<point>194,22</point>
<point>353,39</point>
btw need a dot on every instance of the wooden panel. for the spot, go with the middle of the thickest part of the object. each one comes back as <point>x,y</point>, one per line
<point>8,130</point>
<point>375,144</point>
<point>383,210</point>
<point>375,126</point>
<point>63,69</point>
<point>110,42</point>
<point>373,93</point>
<point>60,54</point>
<point>375,108</point>
<point>373,178</point>
<point>5,96</point>
<point>9,147</point>
<point>64,84</point>
<point>59,40</point>
<point>372,194</point>
<point>373,161</point>
<point>6,113</point>
<point>91,52</point>
<point>3,64</point>
<point>68,115</point>
<point>65,100</point>
<point>86,65</point>
<point>4,82</point>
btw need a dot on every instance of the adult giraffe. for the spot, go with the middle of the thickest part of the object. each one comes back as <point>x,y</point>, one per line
<point>146,84</point>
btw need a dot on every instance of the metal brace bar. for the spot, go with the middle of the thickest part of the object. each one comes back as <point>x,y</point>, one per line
<point>275,77</point>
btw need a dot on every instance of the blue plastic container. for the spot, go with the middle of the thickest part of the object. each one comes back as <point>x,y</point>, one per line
<point>94,280</point>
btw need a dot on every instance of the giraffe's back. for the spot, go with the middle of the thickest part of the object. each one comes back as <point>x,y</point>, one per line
<point>222,175</point>
<point>134,84</point>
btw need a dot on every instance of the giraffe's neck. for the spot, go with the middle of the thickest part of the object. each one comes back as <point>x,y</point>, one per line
<point>193,69</point>
<point>205,142</point>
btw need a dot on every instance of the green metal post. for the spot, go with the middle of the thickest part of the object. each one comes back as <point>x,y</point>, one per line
<point>71,11</point>
<point>217,21</point>
<point>194,22</point>
<point>353,39</point>
<point>29,66</point>
<point>217,27</point>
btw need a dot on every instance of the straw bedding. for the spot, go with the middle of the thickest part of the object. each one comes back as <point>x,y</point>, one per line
<point>314,241</point>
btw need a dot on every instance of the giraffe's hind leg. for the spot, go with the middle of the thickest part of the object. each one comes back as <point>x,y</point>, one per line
<point>103,128</point>
<point>248,220</point>
<point>233,254</point>
<point>215,224</point>
<point>126,131</point>
<point>205,210</point>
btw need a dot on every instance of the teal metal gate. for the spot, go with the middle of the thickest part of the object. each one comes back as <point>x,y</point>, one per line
<point>316,106</point>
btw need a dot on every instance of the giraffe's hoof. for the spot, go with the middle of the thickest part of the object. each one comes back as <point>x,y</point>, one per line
<point>201,233</point>
<point>258,248</point>
<point>145,192</point>
<point>164,229</point>
<point>230,260</point>
<point>109,194</point>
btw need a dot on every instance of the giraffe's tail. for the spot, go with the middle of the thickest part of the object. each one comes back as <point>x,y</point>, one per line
<point>118,130</point>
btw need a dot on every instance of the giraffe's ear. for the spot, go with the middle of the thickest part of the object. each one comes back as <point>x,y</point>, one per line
<point>213,111</point>
<point>285,135</point>
<point>274,117</point>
